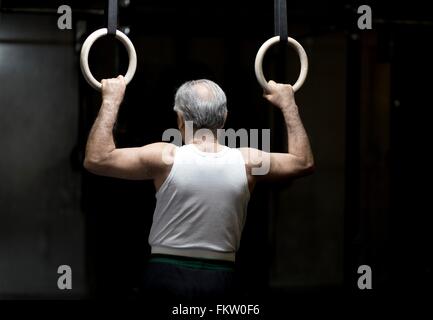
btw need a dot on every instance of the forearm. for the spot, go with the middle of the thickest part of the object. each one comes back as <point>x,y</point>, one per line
<point>100,141</point>
<point>297,138</point>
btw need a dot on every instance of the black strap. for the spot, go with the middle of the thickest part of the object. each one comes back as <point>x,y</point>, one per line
<point>280,19</point>
<point>112,17</point>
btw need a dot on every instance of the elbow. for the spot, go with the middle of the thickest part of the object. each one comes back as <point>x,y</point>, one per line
<point>88,164</point>
<point>308,167</point>
<point>92,165</point>
<point>97,163</point>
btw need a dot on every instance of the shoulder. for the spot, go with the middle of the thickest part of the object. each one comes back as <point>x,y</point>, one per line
<point>164,146</point>
<point>254,158</point>
<point>159,152</point>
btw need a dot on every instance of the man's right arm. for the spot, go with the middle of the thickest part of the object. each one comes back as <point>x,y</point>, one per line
<point>298,161</point>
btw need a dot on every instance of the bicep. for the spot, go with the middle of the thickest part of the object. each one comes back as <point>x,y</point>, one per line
<point>284,166</point>
<point>272,165</point>
<point>136,163</point>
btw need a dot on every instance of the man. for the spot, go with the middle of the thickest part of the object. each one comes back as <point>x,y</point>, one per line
<point>202,187</point>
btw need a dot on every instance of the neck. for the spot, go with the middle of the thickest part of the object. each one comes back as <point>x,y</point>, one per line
<point>206,139</point>
<point>206,143</point>
<point>203,142</point>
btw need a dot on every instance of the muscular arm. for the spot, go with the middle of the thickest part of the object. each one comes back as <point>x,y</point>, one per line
<point>102,156</point>
<point>100,143</point>
<point>298,161</point>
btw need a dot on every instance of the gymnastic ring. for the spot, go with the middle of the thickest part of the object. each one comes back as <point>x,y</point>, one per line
<point>84,57</point>
<point>261,53</point>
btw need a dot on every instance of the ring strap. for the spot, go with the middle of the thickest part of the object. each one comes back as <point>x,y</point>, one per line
<point>112,16</point>
<point>280,20</point>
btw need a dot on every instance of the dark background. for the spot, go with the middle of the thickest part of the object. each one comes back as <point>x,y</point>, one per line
<point>366,105</point>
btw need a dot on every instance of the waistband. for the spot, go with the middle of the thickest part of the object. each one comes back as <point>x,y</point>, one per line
<point>193,263</point>
<point>195,253</point>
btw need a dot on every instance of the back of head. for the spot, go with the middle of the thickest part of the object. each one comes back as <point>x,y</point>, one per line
<point>203,102</point>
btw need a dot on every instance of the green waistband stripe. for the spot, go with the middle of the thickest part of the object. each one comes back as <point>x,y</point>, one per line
<point>192,264</point>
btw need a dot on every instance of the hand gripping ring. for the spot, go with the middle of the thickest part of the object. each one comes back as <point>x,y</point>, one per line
<point>259,61</point>
<point>84,57</point>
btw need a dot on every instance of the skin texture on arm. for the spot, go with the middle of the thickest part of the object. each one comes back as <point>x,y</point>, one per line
<point>298,161</point>
<point>102,156</point>
<point>154,161</point>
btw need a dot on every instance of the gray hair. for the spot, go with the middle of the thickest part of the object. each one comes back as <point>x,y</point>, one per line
<point>203,102</point>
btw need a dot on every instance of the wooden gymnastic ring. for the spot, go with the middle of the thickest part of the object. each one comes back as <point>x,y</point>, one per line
<point>261,53</point>
<point>84,57</point>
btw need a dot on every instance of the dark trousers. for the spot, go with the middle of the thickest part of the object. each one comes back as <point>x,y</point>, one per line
<point>173,279</point>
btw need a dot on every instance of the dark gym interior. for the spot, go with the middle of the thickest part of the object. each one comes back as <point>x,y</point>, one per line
<point>366,106</point>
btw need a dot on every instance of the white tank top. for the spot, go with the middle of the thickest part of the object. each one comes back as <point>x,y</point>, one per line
<point>202,203</point>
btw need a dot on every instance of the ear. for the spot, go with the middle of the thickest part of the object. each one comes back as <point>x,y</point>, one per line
<point>180,121</point>
<point>225,117</point>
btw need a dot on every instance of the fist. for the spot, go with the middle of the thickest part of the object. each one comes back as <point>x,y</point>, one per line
<point>113,90</point>
<point>280,95</point>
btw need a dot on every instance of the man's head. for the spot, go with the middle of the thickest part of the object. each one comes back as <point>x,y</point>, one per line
<point>203,102</point>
